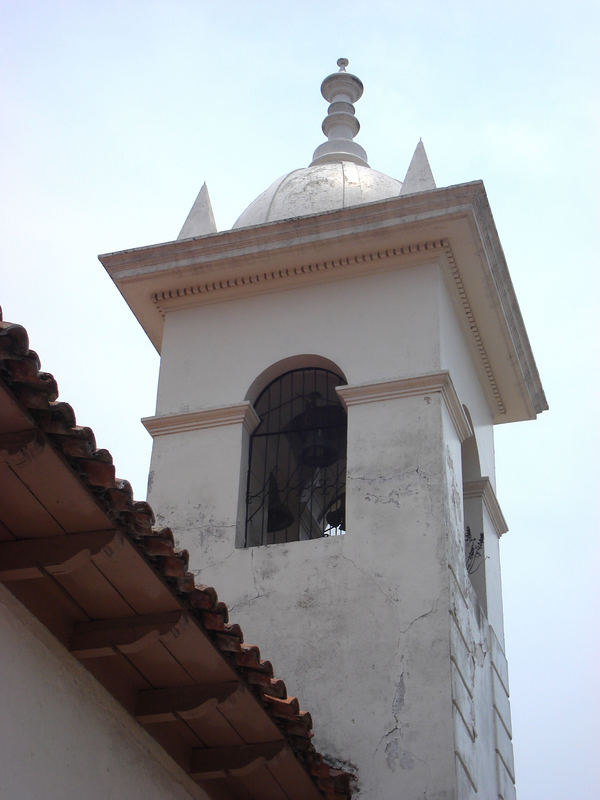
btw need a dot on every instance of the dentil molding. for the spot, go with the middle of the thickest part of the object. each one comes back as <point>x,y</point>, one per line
<point>251,281</point>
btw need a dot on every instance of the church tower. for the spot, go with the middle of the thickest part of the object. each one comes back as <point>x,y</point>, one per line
<point>331,372</point>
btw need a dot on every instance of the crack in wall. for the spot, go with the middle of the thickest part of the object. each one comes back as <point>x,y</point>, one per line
<point>370,578</point>
<point>207,563</point>
<point>376,489</point>
<point>395,756</point>
<point>433,609</point>
<point>245,601</point>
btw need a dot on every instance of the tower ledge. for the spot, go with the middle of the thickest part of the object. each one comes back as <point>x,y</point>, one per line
<point>453,226</point>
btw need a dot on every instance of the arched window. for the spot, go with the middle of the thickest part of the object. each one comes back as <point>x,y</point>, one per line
<point>297,472</point>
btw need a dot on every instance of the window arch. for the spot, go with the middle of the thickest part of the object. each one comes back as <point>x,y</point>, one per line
<point>297,462</point>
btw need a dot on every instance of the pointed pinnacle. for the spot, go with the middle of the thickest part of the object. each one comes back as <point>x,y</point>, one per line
<point>200,220</point>
<point>419,177</point>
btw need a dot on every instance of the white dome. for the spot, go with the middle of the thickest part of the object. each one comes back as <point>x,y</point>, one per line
<point>323,187</point>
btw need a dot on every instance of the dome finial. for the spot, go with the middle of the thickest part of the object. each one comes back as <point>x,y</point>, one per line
<point>341,89</point>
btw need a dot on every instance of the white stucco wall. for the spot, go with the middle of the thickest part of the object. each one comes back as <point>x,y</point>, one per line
<point>373,328</point>
<point>359,626</point>
<point>62,735</point>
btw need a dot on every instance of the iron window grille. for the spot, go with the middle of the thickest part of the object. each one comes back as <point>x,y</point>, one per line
<point>297,466</point>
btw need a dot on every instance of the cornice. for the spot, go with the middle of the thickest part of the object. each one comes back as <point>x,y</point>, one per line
<point>474,328</point>
<point>273,279</point>
<point>207,418</point>
<point>414,386</point>
<point>497,269</point>
<point>482,488</point>
<point>244,243</point>
<point>453,226</point>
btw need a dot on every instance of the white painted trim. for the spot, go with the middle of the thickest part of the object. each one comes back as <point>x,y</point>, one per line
<point>415,386</point>
<point>207,418</point>
<point>483,488</point>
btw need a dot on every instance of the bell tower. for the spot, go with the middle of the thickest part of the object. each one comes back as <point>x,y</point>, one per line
<point>331,372</point>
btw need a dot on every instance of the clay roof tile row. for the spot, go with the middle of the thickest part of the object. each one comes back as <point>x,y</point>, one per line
<point>37,393</point>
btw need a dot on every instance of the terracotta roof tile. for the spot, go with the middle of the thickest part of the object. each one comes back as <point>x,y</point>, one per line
<point>37,393</point>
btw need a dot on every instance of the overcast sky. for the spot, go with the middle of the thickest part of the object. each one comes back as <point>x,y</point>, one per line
<point>113,115</point>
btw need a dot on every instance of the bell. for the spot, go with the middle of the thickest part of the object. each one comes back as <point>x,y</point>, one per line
<point>317,434</point>
<point>279,517</point>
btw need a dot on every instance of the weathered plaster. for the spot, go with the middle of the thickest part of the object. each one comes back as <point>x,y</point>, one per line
<point>367,628</point>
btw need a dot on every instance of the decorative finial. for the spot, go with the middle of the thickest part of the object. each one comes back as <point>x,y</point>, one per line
<point>200,220</point>
<point>341,89</point>
<point>419,177</point>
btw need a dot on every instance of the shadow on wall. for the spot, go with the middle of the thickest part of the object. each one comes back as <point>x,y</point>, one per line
<point>473,517</point>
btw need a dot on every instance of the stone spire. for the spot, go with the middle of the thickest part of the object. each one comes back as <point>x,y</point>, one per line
<point>200,220</point>
<point>341,90</point>
<point>419,177</point>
